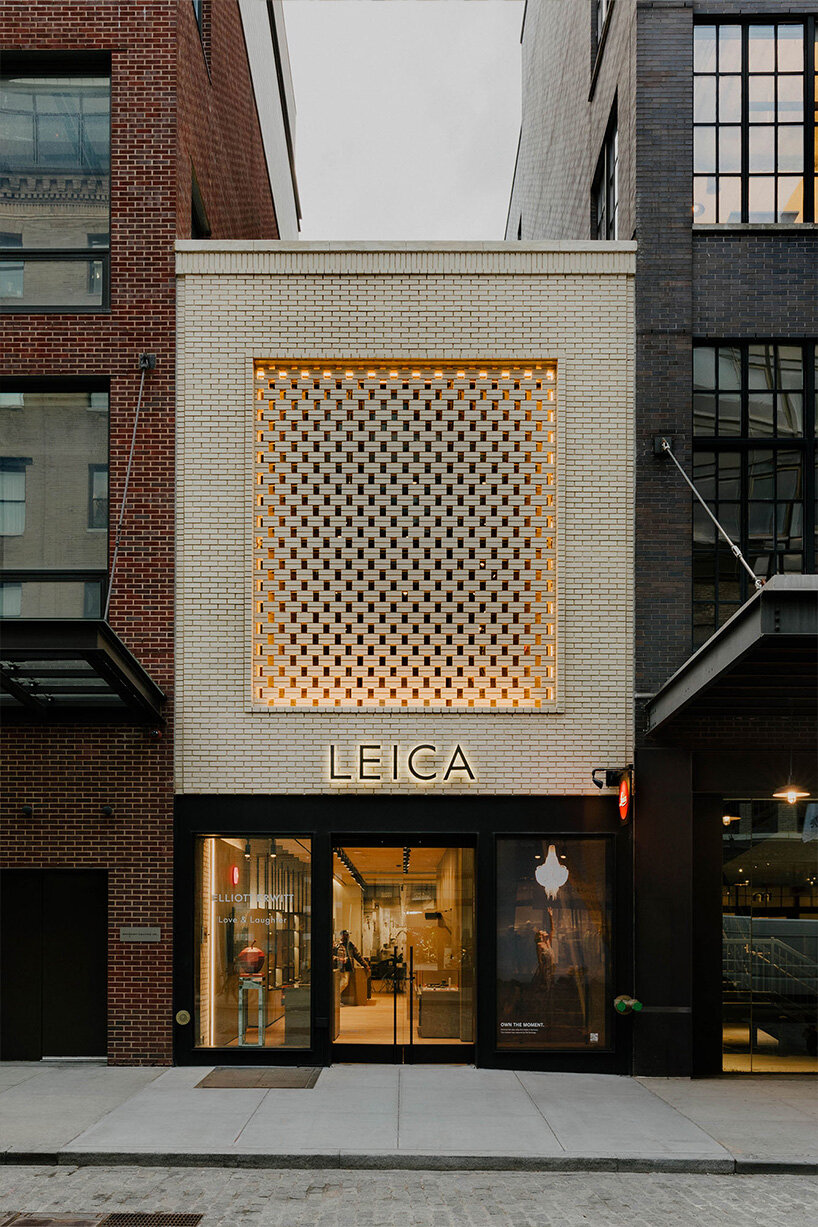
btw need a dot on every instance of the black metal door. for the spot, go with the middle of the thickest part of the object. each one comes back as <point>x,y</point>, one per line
<point>53,963</point>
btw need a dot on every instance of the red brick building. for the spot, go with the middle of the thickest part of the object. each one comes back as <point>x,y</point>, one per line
<point>123,128</point>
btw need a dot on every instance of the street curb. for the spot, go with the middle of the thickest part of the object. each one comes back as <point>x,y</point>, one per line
<point>413,1162</point>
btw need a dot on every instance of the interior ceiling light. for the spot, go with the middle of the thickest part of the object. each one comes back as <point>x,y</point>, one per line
<point>728,818</point>
<point>247,850</point>
<point>790,793</point>
<point>551,875</point>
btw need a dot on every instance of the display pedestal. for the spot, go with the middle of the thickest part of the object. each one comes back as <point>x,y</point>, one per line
<point>439,1014</point>
<point>248,984</point>
<point>297,1016</point>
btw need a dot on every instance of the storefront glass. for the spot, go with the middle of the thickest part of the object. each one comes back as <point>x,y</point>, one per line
<point>770,937</point>
<point>553,943</point>
<point>253,961</point>
<point>403,945</point>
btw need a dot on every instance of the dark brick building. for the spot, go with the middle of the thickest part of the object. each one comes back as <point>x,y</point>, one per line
<point>690,126</point>
<point>123,128</point>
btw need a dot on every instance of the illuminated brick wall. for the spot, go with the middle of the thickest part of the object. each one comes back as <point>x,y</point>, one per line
<point>321,601</point>
<point>440,486</point>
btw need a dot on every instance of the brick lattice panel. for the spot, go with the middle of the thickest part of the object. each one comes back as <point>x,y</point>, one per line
<point>405,528</point>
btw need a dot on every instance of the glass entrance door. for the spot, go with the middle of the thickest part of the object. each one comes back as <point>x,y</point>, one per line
<point>770,936</point>
<point>403,951</point>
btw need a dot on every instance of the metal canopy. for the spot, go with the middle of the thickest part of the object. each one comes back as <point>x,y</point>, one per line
<point>72,671</point>
<point>762,663</point>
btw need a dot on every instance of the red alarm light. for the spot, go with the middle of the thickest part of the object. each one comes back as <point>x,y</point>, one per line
<point>624,796</point>
<point>234,874</point>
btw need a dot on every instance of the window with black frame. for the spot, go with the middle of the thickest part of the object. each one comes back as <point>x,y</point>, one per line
<point>754,122</point>
<point>755,465</point>
<point>605,193</point>
<point>54,502</point>
<point>55,163</point>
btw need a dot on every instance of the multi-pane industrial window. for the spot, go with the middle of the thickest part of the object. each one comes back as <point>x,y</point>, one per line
<point>754,122</point>
<point>405,536</point>
<point>754,417</point>
<point>605,195</point>
<point>55,169</point>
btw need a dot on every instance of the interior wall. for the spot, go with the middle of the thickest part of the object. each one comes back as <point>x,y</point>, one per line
<point>348,911</point>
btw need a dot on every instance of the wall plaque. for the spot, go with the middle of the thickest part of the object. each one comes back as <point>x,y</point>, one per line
<point>140,933</point>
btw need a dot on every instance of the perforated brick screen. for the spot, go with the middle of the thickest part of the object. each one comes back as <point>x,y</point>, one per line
<point>405,522</point>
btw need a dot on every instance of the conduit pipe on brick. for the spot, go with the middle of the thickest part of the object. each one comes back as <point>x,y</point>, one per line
<point>147,362</point>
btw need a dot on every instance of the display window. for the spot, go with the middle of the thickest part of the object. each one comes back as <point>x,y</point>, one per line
<point>554,928</point>
<point>253,971</point>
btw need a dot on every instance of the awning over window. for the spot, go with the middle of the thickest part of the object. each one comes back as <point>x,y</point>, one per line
<point>69,671</point>
<point>760,668</point>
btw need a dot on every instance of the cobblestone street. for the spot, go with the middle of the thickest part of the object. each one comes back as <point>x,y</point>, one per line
<point>234,1198</point>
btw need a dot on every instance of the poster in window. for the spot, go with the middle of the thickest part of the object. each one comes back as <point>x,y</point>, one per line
<point>553,943</point>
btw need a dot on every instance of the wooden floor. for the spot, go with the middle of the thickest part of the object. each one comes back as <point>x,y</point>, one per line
<point>374,1023</point>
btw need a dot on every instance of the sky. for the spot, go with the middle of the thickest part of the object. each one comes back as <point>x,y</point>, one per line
<point>407,116</point>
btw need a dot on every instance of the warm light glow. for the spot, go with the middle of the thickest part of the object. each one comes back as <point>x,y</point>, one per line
<point>551,875</point>
<point>728,818</point>
<point>790,793</point>
<point>313,647</point>
<point>260,373</point>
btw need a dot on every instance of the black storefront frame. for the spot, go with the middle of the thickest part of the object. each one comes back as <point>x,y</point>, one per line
<point>460,818</point>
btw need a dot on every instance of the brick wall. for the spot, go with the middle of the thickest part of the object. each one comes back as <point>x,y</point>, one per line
<point>567,102</point>
<point>218,127</point>
<point>162,103</point>
<point>482,303</point>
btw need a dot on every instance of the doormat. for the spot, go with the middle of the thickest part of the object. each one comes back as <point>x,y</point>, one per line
<point>265,1078</point>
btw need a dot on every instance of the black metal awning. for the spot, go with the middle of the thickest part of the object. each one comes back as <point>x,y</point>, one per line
<point>70,671</point>
<point>761,665</point>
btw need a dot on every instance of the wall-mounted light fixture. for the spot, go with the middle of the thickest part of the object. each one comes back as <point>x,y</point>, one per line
<point>26,810</point>
<point>106,810</point>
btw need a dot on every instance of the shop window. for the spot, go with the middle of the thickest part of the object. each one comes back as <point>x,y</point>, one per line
<point>770,936</point>
<point>605,193</point>
<point>253,963</point>
<point>51,493</point>
<point>754,120</point>
<point>754,463</point>
<point>405,545</point>
<point>554,927</point>
<point>55,134</point>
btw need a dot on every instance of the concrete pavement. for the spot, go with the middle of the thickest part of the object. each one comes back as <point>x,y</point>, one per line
<point>423,1117</point>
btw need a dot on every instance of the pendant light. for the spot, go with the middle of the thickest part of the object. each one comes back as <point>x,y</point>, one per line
<point>790,792</point>
<point>551,875</point>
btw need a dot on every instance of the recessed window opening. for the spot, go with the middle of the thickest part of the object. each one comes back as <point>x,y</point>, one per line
<point>754,122</point>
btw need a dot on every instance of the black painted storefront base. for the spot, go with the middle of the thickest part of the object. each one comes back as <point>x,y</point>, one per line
<point>370,819</point>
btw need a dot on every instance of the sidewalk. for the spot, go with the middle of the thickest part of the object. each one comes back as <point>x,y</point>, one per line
<point>431,1117</point>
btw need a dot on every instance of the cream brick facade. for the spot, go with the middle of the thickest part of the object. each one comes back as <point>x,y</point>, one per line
<point>444,306</point>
